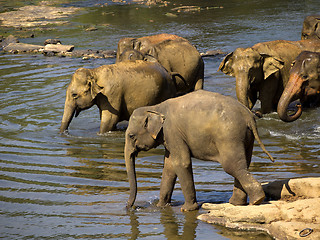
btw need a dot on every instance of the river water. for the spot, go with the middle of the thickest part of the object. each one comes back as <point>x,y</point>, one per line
<point>55,186</point>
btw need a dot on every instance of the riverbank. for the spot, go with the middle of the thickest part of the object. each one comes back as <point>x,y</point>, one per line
<point>291,213</point>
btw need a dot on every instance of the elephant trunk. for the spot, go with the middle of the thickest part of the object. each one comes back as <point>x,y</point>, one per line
<point>130,153</point>
<point>291,92</point>
<point>69,112</point>
<point>242,89</point>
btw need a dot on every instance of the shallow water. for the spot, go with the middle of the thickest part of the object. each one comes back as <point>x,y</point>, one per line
<point>71,187</point>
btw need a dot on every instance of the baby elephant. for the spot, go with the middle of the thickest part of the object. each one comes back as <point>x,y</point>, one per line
<point>117,90</point>
<point>201,124</point>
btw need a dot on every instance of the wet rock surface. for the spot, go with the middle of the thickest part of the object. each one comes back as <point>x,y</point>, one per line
<point>52,47</point>
<point>30,16</point>
<point>293,214</point>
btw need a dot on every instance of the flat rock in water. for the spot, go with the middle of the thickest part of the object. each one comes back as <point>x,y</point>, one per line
<point>296,216</point>
<point>58,48</point>
<point>22,47</point>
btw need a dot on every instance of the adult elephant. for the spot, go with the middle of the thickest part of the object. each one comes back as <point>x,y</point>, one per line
<point>311,28</point>
<point>115,90</point>
<point>201,124</point>
<point>177,56</point>
<point>143,44</point>
<point>304,84</point>
<point>262,71</point>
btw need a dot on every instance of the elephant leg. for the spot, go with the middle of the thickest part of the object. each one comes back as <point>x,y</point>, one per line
<point>168,181</point>
<point>109,113</point>
<point>239,196</point>
<point>251,186</point>
<point>183,169</point>
<point>267,94</point>
<point>252,98</point>
<point>108,121</point>
<point>236,163</point>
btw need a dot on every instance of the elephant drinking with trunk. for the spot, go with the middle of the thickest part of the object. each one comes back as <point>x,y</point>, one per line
<point>201,124</point>
<point>117,90</point>
<point>303,84</point>
<point>262,71</point>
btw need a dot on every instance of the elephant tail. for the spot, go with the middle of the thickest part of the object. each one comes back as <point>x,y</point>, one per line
<point>174,75</point>
<point>253,127</point>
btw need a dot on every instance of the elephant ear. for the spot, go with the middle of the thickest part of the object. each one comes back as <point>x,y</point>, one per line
<point>226,65</point>
<point>136,44</point>
<point>271,65</point>
<point>95,89</point>
<point>154,123</point>
<point>149,58</point>
<point>153,52</point>
<point>317,28</point>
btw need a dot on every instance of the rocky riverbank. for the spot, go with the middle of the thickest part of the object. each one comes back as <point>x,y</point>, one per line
<point>292,211</point>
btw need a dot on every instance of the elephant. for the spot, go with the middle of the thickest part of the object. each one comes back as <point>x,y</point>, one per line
<point>262,71</point>
<point>311,28</point>
<point>176,56</point>
<point>113,88</point>
<point>201,124</point>
<point>143,44</point>
<point>304,84</point>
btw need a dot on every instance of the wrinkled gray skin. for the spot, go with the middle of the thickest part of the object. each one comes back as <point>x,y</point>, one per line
<point>144,44</point>
<point>311,28</point>
<point>262,71</point>
<point>304,84</point>
<point>201,124</point>
<point>177,56</point>
<point>113,88</point>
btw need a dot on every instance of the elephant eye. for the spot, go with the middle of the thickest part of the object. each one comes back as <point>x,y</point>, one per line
<point>74,95</point>
<point>131,136</point>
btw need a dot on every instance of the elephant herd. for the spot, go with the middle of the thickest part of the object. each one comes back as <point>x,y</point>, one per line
<point>156,84</point>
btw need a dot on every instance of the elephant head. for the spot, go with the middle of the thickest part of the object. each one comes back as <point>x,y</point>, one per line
<point>143,133</point>
<point>81,94</point>
<point>250,68</point>
<point>123,45</point>
<point>133,55</point>
<point>304,83</point>
<point>143,44</point>
<point>311,28</point>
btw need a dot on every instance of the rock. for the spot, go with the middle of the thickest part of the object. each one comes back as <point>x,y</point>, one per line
<point>297,212</point>
<point>10,39</point>
<point>187,9</point>
<point>87,54</point>
<point>58,48</point>
<point>212,53</point>
<point>52,41</point>
<point>31,16</point>
<point>172,15</point>
<point>22,47</point>
<point>300,187</point>
<point>90,29</point>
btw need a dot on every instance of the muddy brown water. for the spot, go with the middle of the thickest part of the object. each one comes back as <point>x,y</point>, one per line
<point>54,186</point>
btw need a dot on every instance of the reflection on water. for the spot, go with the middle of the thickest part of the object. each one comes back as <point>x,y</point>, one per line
<point>75,186</point>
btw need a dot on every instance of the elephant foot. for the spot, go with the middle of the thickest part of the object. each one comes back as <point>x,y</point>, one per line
<point>238,201</point>
<point>238,198</point>
<point>189,207</point>
<point>163,204</point>
<point>256,199</point>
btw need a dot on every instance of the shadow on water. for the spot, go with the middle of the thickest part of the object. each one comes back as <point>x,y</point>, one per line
<point>75,186</point>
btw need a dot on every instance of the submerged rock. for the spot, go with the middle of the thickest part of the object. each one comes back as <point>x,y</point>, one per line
<point>295,215</point>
